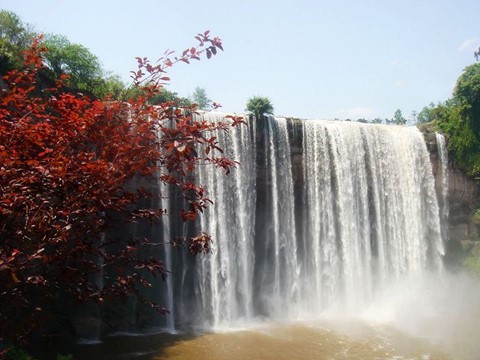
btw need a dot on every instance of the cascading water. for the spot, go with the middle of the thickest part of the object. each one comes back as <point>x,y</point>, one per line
<point>443,157</point>
<point>278,275</point>
<point>167,248</point>
<point>369,216</point>
<point>361,213</point>
<point>335,224</point>
<point>224,278</point>
<point>371,211</point>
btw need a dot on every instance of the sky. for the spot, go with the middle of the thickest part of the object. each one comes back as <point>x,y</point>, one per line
<point>312,59</point>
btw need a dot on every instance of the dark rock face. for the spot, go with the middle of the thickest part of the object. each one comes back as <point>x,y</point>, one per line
<point>463,197</point>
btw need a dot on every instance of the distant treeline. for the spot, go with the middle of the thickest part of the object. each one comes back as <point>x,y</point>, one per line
<point>84,70</point>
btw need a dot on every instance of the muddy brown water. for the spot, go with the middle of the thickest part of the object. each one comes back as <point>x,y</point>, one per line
<point>273,342</point>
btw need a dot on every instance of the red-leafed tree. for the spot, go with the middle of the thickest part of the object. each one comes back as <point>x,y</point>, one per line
<point>65,161</point>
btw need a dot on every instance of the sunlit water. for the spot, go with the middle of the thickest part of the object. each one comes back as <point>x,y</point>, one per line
<point>363,279</point>
<point>425,318</point>
<point>276,342</point>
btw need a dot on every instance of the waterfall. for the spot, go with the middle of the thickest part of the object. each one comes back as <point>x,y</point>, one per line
<point>224,278</point>
<point>371,209</point>
<point>311,221</point>
<point>443,171</point>
<point>167,248</point>
<point>318,218</point>
<point>280,274</point>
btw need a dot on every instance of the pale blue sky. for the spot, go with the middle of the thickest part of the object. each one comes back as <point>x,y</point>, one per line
<point>313,59</point>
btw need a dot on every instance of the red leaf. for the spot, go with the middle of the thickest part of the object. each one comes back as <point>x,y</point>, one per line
<point>56,147</point>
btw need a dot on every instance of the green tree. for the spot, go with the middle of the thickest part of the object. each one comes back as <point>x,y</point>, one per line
<point>63,57</point>
<point>163,96</point>
<point>15,36</point>
<point>259,105</point>
<point>459,118</point>
<point>200,98</point>
<point>110,85</point>
<point>170,96</point>
<point>398,118</point>
<point>467,93</point>
<point>75,60</point>
<point>426,114</point>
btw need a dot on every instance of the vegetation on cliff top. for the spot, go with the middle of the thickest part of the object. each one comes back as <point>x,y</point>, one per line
<point>259,106</point>
<point>459,119</point>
